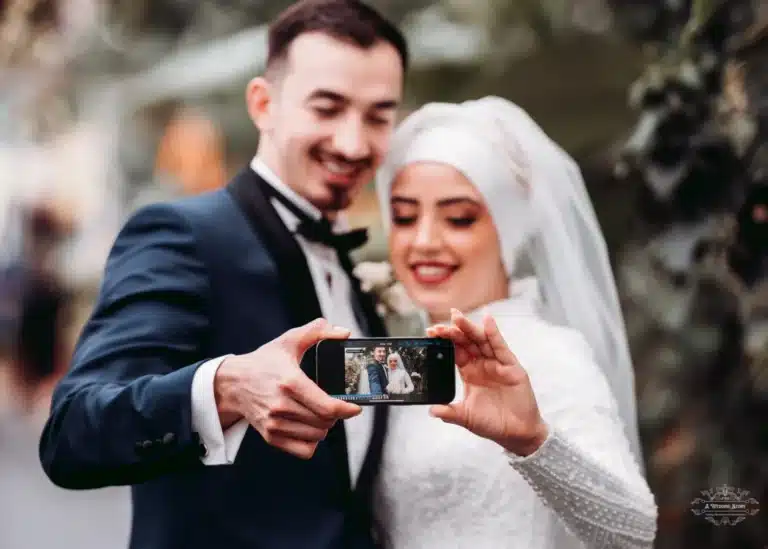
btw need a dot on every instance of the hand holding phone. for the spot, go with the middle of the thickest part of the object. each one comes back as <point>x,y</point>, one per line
<point>387,370</point>
<point>499,403</point>
<point>268,389</point>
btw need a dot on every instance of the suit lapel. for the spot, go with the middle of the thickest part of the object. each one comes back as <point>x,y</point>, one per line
<point>298,287</point>
<point>299,293</point>
<point>301,300</point>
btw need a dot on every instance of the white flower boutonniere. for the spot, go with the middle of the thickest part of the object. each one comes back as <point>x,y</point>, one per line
<point>378,279</point>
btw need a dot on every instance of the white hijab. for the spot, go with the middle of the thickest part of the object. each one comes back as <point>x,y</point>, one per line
<point>538,201</point>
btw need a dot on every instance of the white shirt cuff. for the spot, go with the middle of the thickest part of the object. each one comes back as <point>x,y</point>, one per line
<point>221,448</point>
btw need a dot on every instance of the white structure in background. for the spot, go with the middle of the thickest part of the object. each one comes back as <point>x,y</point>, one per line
<point>206,67</point>
<point>77,166</point>
<point>82,165</point>
<point>77,169</point>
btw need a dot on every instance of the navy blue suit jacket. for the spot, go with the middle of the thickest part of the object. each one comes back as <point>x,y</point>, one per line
<point>377,378</point>
<point>186,282</point>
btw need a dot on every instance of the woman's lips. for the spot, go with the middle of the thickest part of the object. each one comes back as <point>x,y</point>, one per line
<point>431,274</point>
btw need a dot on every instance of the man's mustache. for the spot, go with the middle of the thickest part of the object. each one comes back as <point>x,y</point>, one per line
<point>357,163</point>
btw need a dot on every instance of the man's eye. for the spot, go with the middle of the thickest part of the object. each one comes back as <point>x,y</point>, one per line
<point>326,112</point>
<point>378,121</point>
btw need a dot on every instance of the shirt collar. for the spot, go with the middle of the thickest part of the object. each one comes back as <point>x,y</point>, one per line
<point>258,166</point>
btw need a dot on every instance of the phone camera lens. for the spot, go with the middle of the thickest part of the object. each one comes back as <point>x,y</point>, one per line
<point>439,356</point>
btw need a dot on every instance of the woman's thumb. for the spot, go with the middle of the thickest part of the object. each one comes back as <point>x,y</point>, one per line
<point>448,413</point>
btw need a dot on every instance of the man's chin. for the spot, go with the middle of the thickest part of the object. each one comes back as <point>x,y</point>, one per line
<point>333,203</point>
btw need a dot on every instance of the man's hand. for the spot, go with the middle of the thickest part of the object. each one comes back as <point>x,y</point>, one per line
<point>268,388</point>
<point>499,403</point>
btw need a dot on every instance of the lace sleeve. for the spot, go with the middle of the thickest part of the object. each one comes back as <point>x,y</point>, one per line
<point>585,471</point>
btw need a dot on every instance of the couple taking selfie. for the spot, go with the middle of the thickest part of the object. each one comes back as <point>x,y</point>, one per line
<point>188,382</point>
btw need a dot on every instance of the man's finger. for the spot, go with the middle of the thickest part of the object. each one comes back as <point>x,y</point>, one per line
<point>301,338</point>
<point>308,394</point>
<point>293,429</point>
<point>289,408</point>
<point>299,448</point>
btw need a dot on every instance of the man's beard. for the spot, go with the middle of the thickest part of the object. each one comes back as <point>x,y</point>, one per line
<point>340,195</point>
<point>341,198</point>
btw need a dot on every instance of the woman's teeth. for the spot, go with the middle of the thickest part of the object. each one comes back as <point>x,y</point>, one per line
<point>432,273</point>
<point>432,270</point>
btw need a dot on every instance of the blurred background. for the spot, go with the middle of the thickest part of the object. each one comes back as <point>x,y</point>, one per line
<point>106,105</point>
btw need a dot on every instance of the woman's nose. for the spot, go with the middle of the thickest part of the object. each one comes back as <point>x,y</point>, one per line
<point>427,235</point>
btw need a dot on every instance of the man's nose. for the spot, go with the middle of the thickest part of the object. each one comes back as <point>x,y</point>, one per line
<point>350,139</point>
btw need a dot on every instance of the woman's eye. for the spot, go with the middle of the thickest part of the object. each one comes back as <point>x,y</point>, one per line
<point>403,220</point>
<point>461,221</point>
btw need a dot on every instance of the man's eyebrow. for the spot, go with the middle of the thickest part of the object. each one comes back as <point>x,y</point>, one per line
<point>336,97</point>
<point>327,94</point>
<point>387,104</point>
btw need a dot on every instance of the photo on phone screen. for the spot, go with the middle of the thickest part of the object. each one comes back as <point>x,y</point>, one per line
<point>388,370</point>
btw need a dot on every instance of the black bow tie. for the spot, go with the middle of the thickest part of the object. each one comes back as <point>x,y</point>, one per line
<point>320,230</point>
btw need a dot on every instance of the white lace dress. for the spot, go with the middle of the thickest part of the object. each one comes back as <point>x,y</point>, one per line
<point>442,487</point>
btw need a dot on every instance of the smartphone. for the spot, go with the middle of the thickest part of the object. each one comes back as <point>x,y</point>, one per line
<point>387,370</point>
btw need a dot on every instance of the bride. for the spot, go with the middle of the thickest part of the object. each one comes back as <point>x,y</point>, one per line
<point>399,381</point>
<point>540,448</point>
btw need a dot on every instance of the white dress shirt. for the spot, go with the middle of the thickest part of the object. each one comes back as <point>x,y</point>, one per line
<point>334,293</point>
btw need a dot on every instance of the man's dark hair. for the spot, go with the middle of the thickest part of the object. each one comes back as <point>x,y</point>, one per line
<point>346,20</point>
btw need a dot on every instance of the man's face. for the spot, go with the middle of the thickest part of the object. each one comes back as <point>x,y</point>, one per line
<point>379,354</point>
<point>330,116</point>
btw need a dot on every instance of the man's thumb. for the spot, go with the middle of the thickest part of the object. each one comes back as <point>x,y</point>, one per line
<point>301,338</point>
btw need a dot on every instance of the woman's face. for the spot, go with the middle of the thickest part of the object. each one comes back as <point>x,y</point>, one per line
<point>443,245</point>
<point>392,362</point>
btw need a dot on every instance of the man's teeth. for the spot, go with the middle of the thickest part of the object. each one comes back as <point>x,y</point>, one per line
<point>338,168</point>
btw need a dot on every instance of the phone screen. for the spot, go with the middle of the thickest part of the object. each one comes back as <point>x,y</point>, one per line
<point>387,370</point>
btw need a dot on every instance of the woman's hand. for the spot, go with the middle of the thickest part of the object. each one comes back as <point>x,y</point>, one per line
<point>499,403</point>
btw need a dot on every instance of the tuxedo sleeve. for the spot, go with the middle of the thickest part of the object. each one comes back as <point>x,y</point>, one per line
<point>122,414</point>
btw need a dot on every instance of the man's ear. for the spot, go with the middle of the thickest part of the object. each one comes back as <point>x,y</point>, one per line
<point>258,100</point>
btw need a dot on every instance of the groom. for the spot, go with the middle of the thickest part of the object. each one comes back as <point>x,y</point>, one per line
<point>377,372</point>
<point>188,381</point>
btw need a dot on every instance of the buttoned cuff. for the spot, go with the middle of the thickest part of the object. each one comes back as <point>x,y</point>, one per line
<point>220,447</point>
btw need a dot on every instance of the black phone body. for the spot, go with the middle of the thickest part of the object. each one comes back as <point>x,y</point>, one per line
<point>353,370</point>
